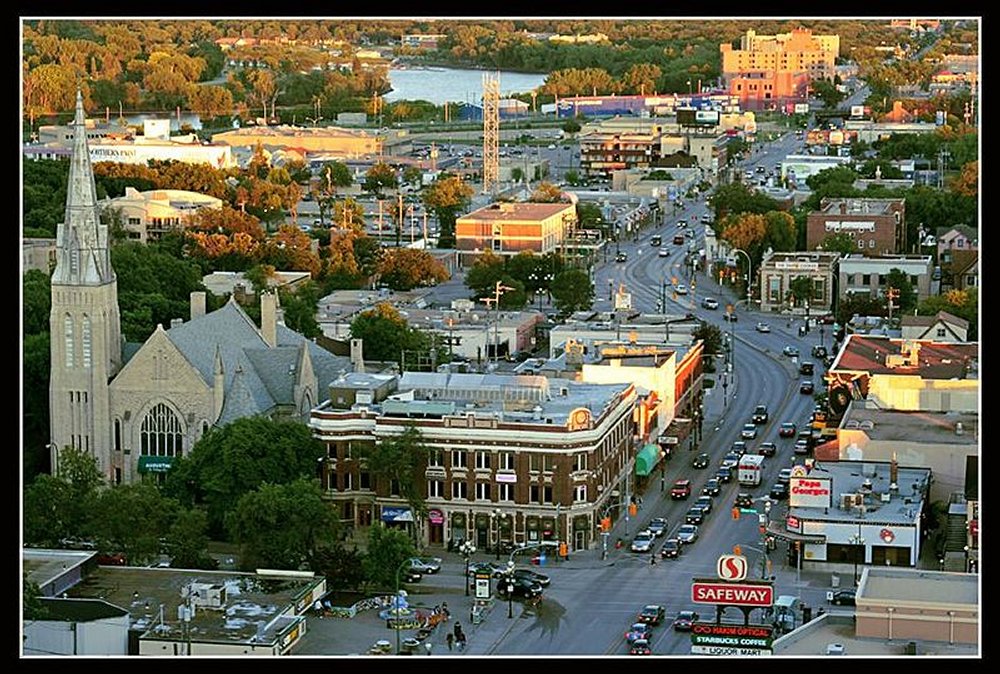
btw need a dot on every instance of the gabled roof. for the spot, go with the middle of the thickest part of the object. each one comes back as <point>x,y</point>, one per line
<point>941,316</point>
<point>961,259</point>
<point>968,232</point>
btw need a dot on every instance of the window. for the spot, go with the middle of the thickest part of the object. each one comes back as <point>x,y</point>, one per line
<point>861,244</point>
<point>534,493</point>
<point>434,458</point>
<point>483,460</point>
<point>458,458</point>
<point>580,461</point>
<point>86,341</point>
<point>160,433</point>
<point>482,491</point>
<point>913,281</point>
<point>505,461</point>
<point>580,493</point>
<point>458,489</point>
<point>941,332</point>
<point>505,491</point>
<point>866,279</point>
<point>393,487</point>
<point>118,435</point>
<point>364,480</point>
<point>348,481</point>
<point>871,243</point>
<point>435,488</point>
<point>881,280</point>
<point>850,279</point>
<point>547,493</point>
<point>548,463</point>
<point>68,336</point>
<point>534,462</point>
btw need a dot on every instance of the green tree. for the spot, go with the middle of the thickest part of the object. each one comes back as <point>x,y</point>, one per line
<point>31,599</point>
<point>711,337</point>
<point>237,458</point>
<point>50,512</point>
<point>407,268</point>
<point>800,289</point>
<point>571,126</point>
<point>907,299</point>
<point>386,336</point>
<point>300,309</point>
<point>841,242</point>
<point>282,526</point>
<point>780,231</point>
<point>187,540</point>
<point>36,302</point>
<point>736,198</point>
<point>572,291</point>
<point>483,275</point>
<point>401,459</point>
<point>379,178</point>
<point>35,362</point>
<point>387,549</point>
<point>447,196</point>
<point>857,304</point>
<point>826,91</point>
<point>343,567</point>
<point>130,519</point>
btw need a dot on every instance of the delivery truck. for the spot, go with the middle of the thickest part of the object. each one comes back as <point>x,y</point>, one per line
<point>749,470</point>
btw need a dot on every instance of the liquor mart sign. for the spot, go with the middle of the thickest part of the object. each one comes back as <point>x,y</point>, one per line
<point>746,593</point>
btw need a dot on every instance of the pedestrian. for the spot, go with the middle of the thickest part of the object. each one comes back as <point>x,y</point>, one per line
<point>458,630</point>
<point>652,559</point>
<point>450,640</point>
<point>461,642</point>
<point>444,609</point>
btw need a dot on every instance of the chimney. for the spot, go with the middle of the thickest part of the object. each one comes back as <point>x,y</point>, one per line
<point>197,304</point>
<point>357,355</point>
<point>843,207</point>
<point>893,470</point>
<point>269,318</point>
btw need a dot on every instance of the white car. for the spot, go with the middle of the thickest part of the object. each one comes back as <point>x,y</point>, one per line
<point>664,252</point>
<point>688,533</point>
<point>749,431</point>
<point>763,327</point>
<point>643,541</point>
<point>681,289</point>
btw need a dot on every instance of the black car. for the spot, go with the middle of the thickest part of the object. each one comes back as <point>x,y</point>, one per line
<point>843,597</point>
<point>523,588</point>
<point>744,500</point>
<point>621,257</point>
<point>738,447</point>
<point>767,449</point>
<point>760,414</point>
<point>700,461</point>
<point>694,516</point>
<point>819,352</point>
<point>705,503</point>
<point>532,576</point>
<point>806,387</point>
<point>411,576</point>
<point>652,614</point>
<point>806,367</point>
<point>684,621</point>
<point>711,487</point>
<point>724,474</point>
<point>779,491</point>
<point>671,548</point>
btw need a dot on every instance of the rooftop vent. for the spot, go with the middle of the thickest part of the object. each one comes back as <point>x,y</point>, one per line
<point>959,429</point>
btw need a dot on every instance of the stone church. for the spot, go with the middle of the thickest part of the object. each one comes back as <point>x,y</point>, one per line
<point>136,407</point>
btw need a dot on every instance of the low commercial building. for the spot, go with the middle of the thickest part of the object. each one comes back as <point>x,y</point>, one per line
<point>330,140</point>
<point>796,168</point>
<point>780,269</point>
<point>840,518</point>
<point>869,131</point>
<point>601,153</point>
<point>508,228</point>
<point>878,226</point>
<point>512,459</point>
<point>90,627</point>
<point>147,216</point>
<point>859,274</point>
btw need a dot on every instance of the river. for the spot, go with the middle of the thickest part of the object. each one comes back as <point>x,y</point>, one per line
<point>456,85</point>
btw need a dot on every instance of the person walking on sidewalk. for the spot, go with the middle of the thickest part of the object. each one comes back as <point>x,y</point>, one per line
<point>652,559</point>
<point>449,639</point>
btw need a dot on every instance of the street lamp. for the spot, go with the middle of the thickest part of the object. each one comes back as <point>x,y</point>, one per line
<point>856,540</point>
<point>749,276</point>
<point>496,515</point>
<point>467,549</point>
<point>396,603</point>
<point>510,588</point>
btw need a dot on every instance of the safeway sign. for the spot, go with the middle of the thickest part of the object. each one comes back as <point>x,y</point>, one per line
<point>732,594</point>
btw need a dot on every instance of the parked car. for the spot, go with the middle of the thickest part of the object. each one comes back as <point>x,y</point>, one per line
<point>523,588</point>
<point>652,614</point>
<point>425,564</point>
<point>638,631</point>
<point>695,515</point>
<point>670,548</point>
<point>492,568</point>
<point>843,597</point>
<point>779,491</point>
<point>760,415</point>
<point>767,449</point>
<point>787,430</point>
<point>710,303</point>
<point>807,387</point>
<point>687,534</point>
<point>643,541</point>
<point>684,620</point>
<point>806,367</point>
<point>744,500</point>
<point>705,217</point>
<point>762,327</point>
<point>711,487</point>
<point>784,475</point>
<point>533,576</point>
<point>658,526</point>
<point>411,576</point>
<point>700,461</point>
<point>681,489</point>
<point>682,223</point>
<point>749,431</point>
<point>790,351</point>
<point>640,647</point>
<point>705,503</point>
<point>724,474</point>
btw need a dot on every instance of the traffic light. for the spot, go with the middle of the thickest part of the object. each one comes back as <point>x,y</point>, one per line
<point>633,509</point>
<point>605,524</point>
<point>737,550</point>
<point>736,513</point>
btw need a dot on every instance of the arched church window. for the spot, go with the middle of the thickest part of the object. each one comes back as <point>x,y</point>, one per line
<point>161,433</point>
<point>86,341</point>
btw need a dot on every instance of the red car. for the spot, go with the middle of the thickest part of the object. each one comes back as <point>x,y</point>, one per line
<point>787,430</point>
<point>681,489</point>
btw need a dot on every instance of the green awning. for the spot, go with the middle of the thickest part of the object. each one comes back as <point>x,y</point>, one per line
<point>155,464</point>
<point>646,459</point>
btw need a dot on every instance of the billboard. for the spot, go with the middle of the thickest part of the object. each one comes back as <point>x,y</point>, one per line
<point>857,111</point>
<point>810,492</point>
<point>693,117</point>
<point>801,108</point>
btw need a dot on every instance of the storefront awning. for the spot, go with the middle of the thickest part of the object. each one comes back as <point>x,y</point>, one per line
<point>155,464</point>
<point>646,459</point>
<point>397,515</point>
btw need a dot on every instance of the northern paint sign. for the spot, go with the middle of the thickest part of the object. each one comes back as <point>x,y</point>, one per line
<point>732,594</point>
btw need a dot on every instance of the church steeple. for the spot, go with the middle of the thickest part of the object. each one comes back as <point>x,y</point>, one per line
<point>83,256</point>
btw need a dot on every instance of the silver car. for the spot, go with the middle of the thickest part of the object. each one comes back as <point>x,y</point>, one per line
<point>688,533</point>
<point>643,541</point>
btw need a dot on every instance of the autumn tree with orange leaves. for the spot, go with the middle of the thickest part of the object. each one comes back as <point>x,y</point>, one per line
<point>290,249</point>
<point>407,268</point>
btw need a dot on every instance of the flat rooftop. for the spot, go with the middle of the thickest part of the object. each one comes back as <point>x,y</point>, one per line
<point>836,626</point>
<point>848,477</point>
<point>895,584</point>
<point>515,211</point>
<point>44,565</point>
<point>923,427</point>
<point>855,206</point>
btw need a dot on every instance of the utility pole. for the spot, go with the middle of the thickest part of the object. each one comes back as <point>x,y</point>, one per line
<point>498,291</point>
